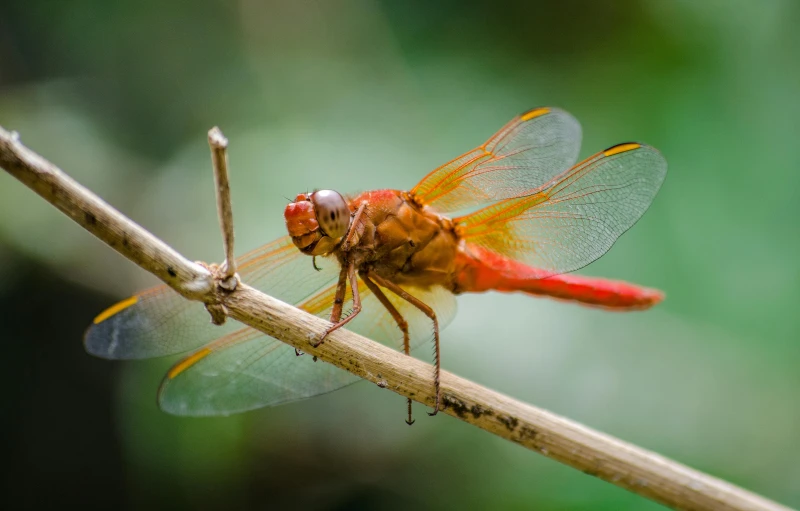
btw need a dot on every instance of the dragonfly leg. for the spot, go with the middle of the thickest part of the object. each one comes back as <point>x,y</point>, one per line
<point>428,311</point>
<point>338,299</point>
<point>348,273</point>
<point>398,318</point>
<point>338,302</point>
<point>354,232</point>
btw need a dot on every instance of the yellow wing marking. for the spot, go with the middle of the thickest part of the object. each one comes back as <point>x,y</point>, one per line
<point>188,362</point>
<point>532,114</point>
<point>621,148</point>
<point>117,307</point>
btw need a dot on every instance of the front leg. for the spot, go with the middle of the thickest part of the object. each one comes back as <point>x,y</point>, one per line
<point>355,231</point>
<point>338,299</point>
<point>348,273</point>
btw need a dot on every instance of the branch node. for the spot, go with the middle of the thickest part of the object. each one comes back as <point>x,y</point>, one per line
<point>229,284</point>
<point>218,312</point>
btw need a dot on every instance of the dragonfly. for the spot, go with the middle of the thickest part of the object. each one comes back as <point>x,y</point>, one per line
<point>515,214</point>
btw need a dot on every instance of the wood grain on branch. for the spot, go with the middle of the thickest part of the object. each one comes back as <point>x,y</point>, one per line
<point>620,463</point>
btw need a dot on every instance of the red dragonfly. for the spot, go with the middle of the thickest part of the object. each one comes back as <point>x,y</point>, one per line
<point>529,214</point>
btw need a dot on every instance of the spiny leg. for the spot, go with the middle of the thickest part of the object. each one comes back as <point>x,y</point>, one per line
<point>428,311</point>
<point>338,301</point>
<point>398,318</point>
<point>338,298</point>
<point>336,314</point>
<point>354,230</point>
<point>341,287</point>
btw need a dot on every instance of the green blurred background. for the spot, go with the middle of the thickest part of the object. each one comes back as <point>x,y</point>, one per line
<point>363,94</point>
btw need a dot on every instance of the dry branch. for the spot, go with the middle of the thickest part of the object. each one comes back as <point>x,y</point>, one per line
<point>578,446</point>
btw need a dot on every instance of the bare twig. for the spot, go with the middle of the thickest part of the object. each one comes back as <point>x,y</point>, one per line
<point>592,452</point>
<point>115,229</point>
<point>219,159</point>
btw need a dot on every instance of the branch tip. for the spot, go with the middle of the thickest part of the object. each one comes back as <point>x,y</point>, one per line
<point>216,139</point>
<point>219,161</point>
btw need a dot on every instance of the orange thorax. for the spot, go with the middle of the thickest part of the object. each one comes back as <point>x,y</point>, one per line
<point>403,242</point>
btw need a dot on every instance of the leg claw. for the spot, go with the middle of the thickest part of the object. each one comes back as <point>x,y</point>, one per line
<point>435,407</point>
<point>318,342</point>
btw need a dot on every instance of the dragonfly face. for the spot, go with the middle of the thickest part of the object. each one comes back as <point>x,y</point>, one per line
<point>317,221</point>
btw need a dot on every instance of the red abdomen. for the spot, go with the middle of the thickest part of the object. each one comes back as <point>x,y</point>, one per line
<point>478,270</point>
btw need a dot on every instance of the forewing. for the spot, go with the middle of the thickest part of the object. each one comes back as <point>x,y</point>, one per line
<point>526,153</point>
<point>577,216</point>
<point>159,321</point>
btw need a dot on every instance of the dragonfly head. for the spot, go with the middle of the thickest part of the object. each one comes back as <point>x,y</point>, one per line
<point>317,221</point>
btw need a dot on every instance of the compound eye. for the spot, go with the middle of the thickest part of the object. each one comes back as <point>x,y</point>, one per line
<point>333,215</point>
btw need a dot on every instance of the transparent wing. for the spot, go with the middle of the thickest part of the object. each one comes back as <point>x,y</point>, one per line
<point>239,368</point>
<point>248,370</point>
<point>577,216</point>
<point>524,154</point>
<point>159,321</point>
